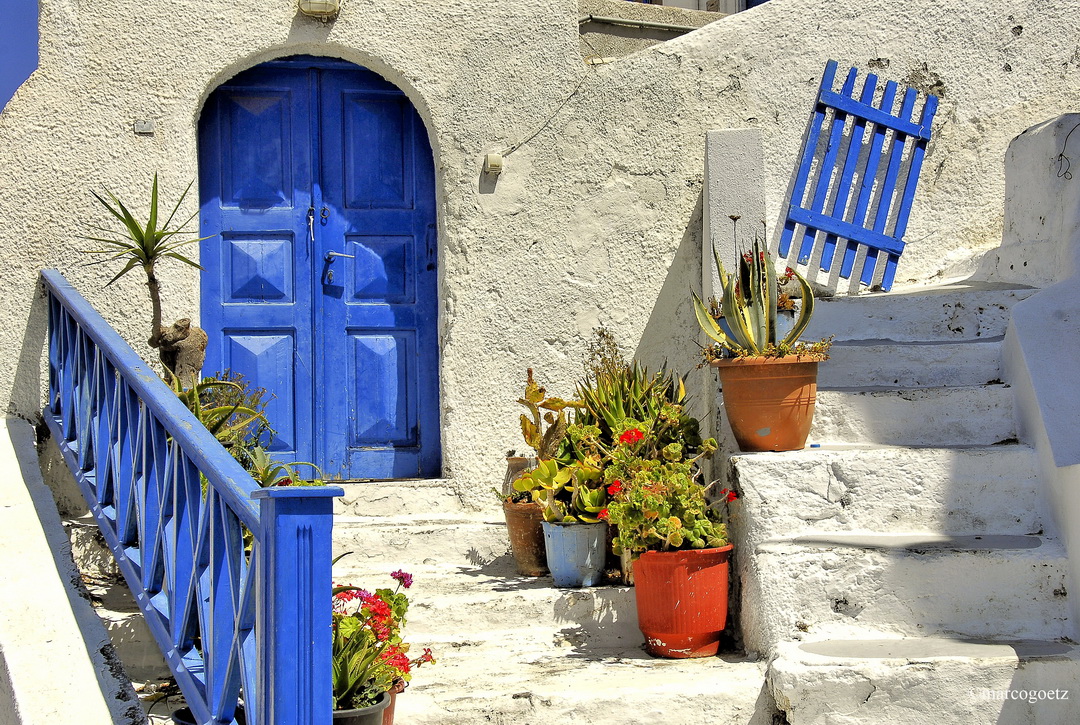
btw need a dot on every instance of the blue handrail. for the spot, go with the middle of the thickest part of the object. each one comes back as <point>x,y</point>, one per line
<point>174,506</point>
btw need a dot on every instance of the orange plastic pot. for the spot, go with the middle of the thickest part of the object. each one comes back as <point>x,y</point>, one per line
<point>682,601</point>
<point>769,401</point>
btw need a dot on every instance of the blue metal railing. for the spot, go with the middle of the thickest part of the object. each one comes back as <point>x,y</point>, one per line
<point>172,505</point>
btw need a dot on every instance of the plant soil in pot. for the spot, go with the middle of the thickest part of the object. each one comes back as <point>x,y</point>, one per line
<point>682,600</point>
<point>769,402</point>
<point>575,552</point>
<point>370,715</point>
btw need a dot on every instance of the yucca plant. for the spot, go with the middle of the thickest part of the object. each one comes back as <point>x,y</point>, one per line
<point>145,245</point>
<point>749,305</point>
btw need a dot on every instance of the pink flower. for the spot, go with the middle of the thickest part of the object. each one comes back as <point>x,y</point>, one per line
<point>405,580</point>
<point>631,437</point>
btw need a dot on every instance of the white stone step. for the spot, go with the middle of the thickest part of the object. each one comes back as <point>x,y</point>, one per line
<point>400,497</point>
<point>973,490</point>
<point>975,415</point>
<point>991,586</point>
<point>453,539</point>
<point>962,311</point>
<point>884,363</point>
<point>473,598</point>
<point>927,681</point>
<point>510,677</point>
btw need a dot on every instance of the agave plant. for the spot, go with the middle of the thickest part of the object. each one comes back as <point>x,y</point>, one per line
<point>145,245</point>
<point>749,307</point>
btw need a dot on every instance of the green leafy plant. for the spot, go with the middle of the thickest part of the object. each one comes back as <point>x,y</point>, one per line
<point>657,502</point>
<point>268,473</point>
<point>748,307</point>
<point>567,493</point>
<point>368,654</point>
<point>543,432</point>
<point>226,417</point>
<point>145,245</point>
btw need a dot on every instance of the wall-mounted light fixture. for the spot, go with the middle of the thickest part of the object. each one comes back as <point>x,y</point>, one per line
<point>493,164</point>
<point>324,9</point>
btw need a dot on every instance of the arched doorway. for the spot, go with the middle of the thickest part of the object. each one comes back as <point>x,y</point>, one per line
<point>320,284</point>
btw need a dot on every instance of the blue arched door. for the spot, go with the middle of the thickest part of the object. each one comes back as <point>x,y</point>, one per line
<point>317,195</point>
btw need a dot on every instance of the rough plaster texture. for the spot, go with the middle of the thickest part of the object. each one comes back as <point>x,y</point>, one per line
<point>597,216</point>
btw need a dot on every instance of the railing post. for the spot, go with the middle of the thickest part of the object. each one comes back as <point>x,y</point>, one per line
<point>293,604</point>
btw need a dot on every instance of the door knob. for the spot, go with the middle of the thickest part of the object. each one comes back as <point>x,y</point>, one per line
<point>330,256</point>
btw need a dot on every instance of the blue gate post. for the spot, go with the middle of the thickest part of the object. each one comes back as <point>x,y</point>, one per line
<point>293,604</point>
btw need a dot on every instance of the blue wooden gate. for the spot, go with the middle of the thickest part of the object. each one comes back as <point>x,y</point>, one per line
<point>317,192</point>
<point>877,216</point>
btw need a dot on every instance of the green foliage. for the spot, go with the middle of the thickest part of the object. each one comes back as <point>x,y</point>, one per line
<point>268,472</point>
<point>225,415</point>
<point>143,244</point>
<point>749,305</point>
<point>545,441</point>
<point>566,493</point>
<point>367,650</point>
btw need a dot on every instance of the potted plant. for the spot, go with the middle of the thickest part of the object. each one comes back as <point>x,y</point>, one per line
<point>768,380</point>
<point>544,429</point>
<point>370,660</point>
<point>571,498</point>
<point>676,540</point>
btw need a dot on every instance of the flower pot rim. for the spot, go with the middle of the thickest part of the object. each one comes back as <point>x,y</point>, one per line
<point>379,705</point>
<point>520,504</point>
<point>810,358</point>
<point>711,550</point>
<point>575,523</point>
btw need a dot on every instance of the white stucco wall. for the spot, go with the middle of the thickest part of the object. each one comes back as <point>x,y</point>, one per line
<point>1042,246</point>
<point>597,216</point>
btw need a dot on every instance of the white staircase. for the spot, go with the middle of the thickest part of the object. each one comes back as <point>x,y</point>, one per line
<point>902,571</point>
<point>513,649</point>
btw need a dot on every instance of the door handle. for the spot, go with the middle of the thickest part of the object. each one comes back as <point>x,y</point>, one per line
<point>331,255</point>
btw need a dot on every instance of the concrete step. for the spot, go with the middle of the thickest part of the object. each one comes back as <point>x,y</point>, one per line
<point>975,415</point>
<point>926,681</point>
<point>398,498</point>
<point>885,363</point>
<point>990,586</point>
<point>454,539</point>
<point>887,489</point>
<point>961,311</point>
<point>474,598</point>
<point>512,677</point>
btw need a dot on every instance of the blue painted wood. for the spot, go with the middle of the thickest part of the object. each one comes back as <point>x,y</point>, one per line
<point>173,506</point>
<point>348,344</point>
<point>833,182</point>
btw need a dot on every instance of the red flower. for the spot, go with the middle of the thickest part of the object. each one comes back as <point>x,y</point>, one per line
<point>615,488</point>
<point>728,495</point>
<point>284,482</point>
<point>602,515</point>
<point>631,437</point>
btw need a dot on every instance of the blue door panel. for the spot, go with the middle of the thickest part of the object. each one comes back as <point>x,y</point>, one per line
<point>384,268</point>
<point>381,410</point>
<point>258,267</point>
<point>267,357</point>
<point>377,161</point>
<point>300,158</point>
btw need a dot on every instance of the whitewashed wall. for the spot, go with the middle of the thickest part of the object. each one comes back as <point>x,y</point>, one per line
<point>597,216</point>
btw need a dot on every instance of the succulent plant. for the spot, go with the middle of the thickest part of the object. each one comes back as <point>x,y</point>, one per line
<point>749,306</point>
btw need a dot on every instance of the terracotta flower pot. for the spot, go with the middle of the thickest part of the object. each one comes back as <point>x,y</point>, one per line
<point>388,713</point>
<point>524,527</point>
<point>682,601</point>
<point>769,401</point>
